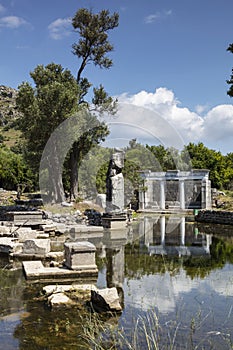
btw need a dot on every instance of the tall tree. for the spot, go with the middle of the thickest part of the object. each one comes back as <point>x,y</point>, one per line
<point>44,108</point>
<point>230,81</point>
<point>57,95</point>
<point>92,47</point>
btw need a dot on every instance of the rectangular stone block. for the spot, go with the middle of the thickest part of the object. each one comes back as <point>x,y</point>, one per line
<point>36,246</point>
<point>80,255</point>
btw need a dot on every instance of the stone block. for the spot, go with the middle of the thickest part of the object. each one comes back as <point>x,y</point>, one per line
<point>36,246</point>
<point>106,300</point>
<point>80,255</point>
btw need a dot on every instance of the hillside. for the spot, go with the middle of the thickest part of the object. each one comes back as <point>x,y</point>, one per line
<point>8,114</point>
<point>8,109</point>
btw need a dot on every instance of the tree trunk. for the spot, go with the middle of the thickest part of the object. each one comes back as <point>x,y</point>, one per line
<point>74,163</point>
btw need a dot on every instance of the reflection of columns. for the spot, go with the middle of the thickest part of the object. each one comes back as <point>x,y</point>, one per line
<point>182,197</point>
<point>162,195</point>
<point>208,242</point>
<point>182,231</point>
<point>148,231</point>
<point>115,267</point>
<point>162,229</point>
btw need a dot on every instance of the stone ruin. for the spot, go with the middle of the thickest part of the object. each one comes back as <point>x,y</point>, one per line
<point>114,216</point>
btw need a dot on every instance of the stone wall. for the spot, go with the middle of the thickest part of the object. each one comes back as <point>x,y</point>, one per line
<point>215,217</point>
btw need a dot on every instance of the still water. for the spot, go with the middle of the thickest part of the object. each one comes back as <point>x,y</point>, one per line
<point>175,279</point>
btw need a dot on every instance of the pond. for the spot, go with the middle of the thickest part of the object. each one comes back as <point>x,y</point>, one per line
<point>175,279</point>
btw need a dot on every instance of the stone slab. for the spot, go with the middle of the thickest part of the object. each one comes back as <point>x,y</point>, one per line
<point>35,271</point>
<point>86,229</point>
<point>26,218</point>
<point>114,223</point>
<point>55,288</point>
<point>36,246</point>
<point>9,245</point>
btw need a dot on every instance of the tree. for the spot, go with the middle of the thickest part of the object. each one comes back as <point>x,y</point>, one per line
<point>230,81</point>
<point>57,95</point>
<point>92,47</point>
<point>13,170</point>
<point>205,158</point>
<point>43,109</point>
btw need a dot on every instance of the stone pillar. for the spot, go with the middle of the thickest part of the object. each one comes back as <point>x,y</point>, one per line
<point>182,196</point>
<point>206,194</point>
<point>162,229</point>
<point>80,256</point>
<point>182,231</point>
<point>162,194</point>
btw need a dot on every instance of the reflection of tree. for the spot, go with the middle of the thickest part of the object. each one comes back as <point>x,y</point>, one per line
<point>11,289</point>
<point>222,251</point>
<point>138,263</point>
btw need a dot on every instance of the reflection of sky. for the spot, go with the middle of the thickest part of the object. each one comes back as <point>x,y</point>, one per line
<point>165,291</point>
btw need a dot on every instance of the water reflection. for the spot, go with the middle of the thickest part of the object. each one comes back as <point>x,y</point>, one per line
<point>167,264</point>
<point>174,237</point>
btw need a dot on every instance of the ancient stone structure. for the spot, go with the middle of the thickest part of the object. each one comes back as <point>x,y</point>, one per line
<point>80,256</point>
<point>114,216</point>
<point>175,189</point>
<point>115,184</point>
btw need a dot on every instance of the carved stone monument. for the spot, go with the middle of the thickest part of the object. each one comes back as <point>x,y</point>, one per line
<point>114,217</point>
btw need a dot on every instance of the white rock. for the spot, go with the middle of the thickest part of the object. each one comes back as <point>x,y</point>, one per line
<point>111,297</point>
<point>59,299</point>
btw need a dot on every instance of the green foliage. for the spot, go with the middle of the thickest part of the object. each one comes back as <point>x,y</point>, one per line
<point>205,158</point>
<point>13,170</point>
<point>93,44</point>
<point>45,107</point>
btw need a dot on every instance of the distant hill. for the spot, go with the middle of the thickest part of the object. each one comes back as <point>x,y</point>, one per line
<point>8,109</point>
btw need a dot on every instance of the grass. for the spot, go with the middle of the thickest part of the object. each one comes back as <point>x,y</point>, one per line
<point>10,136</point>
<point>148,333</point>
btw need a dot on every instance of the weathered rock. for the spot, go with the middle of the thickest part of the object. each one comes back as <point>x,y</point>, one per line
<point>60,299</point>
<point>106,300</point>
<point>36,246</point>
<point>101,300</point>
<point>8,108</point>
<point>62,288</point>
<point>9,245</point>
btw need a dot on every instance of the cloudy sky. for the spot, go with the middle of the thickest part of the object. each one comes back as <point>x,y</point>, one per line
<point>170,57</point>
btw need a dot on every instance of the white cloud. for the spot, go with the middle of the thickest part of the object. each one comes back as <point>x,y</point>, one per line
<point>12,22</point>
<point>152,18</point>
<point>201,108</point>
<point>214,128</point>
<point>155,16</point>
<point>60,28</point>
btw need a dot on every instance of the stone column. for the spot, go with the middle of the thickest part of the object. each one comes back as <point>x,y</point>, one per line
<point>182,196</point>
<point>162,195</point>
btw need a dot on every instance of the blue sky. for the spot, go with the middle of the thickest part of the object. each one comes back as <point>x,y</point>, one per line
<point>169,56</point>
